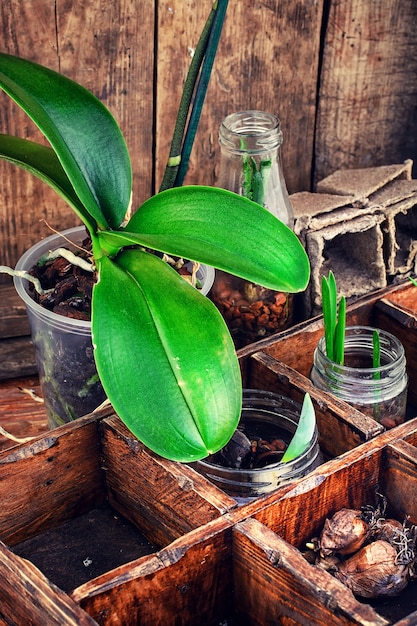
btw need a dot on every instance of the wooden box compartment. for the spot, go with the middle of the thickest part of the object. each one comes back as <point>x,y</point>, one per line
<point>393,309</point>
<point>183,547</point>
<point>275,584</point>
<point>92,509</point>
<point>96,527</point>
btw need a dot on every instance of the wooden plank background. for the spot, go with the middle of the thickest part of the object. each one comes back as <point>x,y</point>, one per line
<point>341,75</point>
<point>367,107</point>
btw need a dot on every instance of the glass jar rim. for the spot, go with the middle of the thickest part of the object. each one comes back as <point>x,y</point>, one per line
<point>260,128</point>
<point>364,331</point>
<point>268,397</point>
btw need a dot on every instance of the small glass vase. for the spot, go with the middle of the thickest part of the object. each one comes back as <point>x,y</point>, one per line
<point>266,416</point>
<point>379,392</point>
<point>250,165</point>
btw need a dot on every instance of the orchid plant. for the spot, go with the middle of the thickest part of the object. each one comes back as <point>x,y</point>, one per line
<point>162,350</point>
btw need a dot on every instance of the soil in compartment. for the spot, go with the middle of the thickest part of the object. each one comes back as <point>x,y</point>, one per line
<point>397,608</point>
<point>85,547</point>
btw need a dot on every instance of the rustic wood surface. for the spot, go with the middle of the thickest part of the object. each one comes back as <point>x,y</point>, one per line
<point>169,491</point>
<point>367,98</point>
<point>134,57</point>
<point>20,415</point>
<point>267,59</point>
<point>401,486</point>
<point>50,470</point>
<point>274,584</point>
<point>191,578</point>
<point>27,597</point>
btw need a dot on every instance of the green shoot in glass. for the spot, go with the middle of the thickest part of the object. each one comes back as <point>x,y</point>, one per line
<point>255,178</point>
<point>334,319</point>
<point>304,433</point>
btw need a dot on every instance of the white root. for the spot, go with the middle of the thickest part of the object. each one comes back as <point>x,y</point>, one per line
<point>70,257</point>
<point>22,274</point>
<point>13,438</point>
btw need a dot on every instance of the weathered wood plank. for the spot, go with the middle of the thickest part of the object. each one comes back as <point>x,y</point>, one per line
<point>13,318</point>
<point>27,597</point>
<point>267,59</point>
<point>367,87</point>
<point>17,355</point>
<point>190,580</point>
<point>17,358</point>
<point>108,47</point>
<point>169,491</point>
<point>62,467</point>
<point>20,414</point>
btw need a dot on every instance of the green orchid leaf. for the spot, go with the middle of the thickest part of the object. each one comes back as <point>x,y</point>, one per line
<point>165,357</point>
<point>304,433</point>
<point>82,132</point>
<point>202,224</point>
<point>43,163</point>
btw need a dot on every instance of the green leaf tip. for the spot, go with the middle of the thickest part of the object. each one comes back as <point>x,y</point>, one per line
<point>334,319</point>
<point>304,433</point>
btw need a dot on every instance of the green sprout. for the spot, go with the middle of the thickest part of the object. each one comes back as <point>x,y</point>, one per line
<point>304,433</point>
<point>255,178</point>
<point>334,319</point>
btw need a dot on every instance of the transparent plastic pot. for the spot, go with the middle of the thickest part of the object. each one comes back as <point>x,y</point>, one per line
<point>63,346</point>
<point>379,392</point>
<point>264,415</point>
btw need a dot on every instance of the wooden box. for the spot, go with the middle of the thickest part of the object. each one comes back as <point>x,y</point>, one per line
<point>277,585</point>
<point>113,528</point>
<point>184,552</point>
<point>95,528</point>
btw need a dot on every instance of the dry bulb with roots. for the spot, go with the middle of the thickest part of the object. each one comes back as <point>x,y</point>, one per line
<point>373,556</point>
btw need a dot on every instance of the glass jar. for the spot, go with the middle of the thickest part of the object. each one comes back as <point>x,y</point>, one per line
<point>250,165</point>
<point>379,392</point>
<point>266,416</point>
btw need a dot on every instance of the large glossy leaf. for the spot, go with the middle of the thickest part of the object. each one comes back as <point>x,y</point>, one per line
<point>221,229</point>
<point>164,357</point>
<point>82,132</point>
<point>43,163</point>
